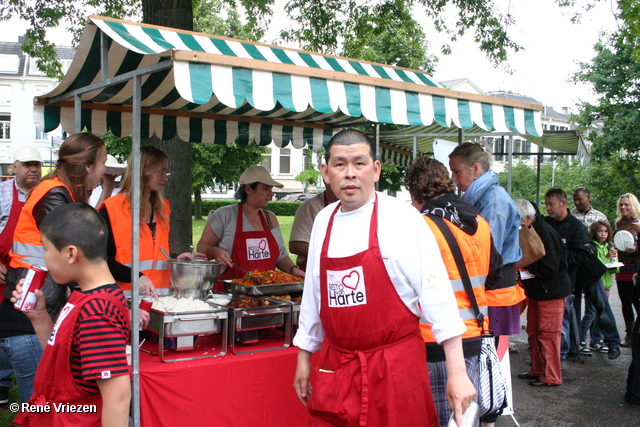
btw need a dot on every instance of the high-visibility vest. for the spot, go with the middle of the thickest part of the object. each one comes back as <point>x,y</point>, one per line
<point>152,263</point>
<point>476,252</point>
<point>27,247</point>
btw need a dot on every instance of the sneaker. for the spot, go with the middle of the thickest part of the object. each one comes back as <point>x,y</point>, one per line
<point>604,349</point>
<point>4,395</point>
<point>597,346</point>
<point>584,350</point>
<point>614,353</point>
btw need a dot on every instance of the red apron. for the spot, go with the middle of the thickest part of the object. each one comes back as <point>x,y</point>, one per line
<point>6,237</point>
<point>54,383</point>
<point>372,367</point>
<point>252,250</point>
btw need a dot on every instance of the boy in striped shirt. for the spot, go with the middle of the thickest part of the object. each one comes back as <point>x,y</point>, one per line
<point>83,376</point>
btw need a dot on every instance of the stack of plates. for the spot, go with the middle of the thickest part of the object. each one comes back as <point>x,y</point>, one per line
<point>623,240</point>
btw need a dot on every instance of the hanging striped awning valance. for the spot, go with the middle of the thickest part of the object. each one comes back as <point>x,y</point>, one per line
<point>208,80</point>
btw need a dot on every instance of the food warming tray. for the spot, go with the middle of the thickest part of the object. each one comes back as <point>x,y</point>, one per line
<point>184,327</point>
<point>250,321</point>
<point>261,290</point>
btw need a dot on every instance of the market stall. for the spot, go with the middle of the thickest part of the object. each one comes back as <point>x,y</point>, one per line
<point>142,80</point>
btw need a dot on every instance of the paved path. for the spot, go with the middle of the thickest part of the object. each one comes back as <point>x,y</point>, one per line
<point>591,395</point>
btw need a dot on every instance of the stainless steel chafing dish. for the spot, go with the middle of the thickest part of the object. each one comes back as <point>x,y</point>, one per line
<point>183,328</point>
<point>261,290</point>
<point>247,323</point>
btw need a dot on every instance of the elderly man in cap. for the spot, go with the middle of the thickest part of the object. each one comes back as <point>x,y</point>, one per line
<point>27,167</point>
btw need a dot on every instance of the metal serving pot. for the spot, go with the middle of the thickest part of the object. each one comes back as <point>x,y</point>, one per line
<point>193,279</point>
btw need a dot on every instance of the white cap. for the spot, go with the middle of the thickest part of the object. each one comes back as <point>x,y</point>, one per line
<point>27,154</point>
<point>113,167</point>
<point>258,174</point>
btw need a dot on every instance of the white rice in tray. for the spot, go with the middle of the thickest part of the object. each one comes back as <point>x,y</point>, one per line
<point>177,305</point>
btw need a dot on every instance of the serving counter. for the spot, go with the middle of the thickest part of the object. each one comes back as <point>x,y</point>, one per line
<point>252,389</point>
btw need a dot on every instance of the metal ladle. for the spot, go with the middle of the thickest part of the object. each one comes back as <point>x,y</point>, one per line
<point>165,254</point>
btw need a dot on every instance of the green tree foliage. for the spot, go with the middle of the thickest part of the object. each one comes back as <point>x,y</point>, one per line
<point>614,75</point>
<point>607,180</point>
<point>391,178</point>
<point>308,177</point>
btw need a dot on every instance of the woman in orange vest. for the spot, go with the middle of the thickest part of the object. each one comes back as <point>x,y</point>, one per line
<point>155,271</point>
<point>432,193</point>
<point>80,165</point>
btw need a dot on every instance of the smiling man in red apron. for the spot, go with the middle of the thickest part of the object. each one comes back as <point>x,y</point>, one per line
<point>372,260</point>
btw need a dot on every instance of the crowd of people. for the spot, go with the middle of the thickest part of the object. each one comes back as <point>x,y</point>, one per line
<point>398,322</point>
<point>483,226</point>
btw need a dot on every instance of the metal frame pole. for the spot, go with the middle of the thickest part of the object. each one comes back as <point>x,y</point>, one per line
<point>509,163</point>
<point>135,246</point>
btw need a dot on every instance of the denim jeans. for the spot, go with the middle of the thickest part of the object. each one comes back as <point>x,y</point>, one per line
<point>23,353</point>
<point>589,324</point>
<point>604,316</point>
<point>566,327</point>
<point>5,371</point>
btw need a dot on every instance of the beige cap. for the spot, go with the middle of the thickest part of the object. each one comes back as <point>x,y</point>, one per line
<point>113,167</point>
<point>258,174</point>
<point>27,154</point>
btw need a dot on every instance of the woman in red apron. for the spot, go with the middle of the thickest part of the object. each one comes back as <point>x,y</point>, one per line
<point>248,243</point>
<point>371,368</point>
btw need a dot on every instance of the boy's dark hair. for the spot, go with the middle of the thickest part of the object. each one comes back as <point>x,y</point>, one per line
<point>349,137</point>
<point>80,225</point>
<point>558,193</point>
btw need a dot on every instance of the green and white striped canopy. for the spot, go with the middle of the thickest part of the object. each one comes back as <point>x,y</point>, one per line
<point>220,90</point>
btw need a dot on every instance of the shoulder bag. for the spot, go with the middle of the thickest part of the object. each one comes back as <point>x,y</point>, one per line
<point>492,392</point>
<point>531,246</point>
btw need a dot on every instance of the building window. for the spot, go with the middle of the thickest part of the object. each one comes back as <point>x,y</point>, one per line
<point>498,148</point>
<point>5,94</point>
<point>266,163</point>
<point>527,149</point>
<point>285,160</point>
<point>518,146</point>
<point>42,136</point>
<point>5,126</point>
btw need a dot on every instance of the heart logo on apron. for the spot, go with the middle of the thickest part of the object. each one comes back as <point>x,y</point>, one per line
<point>351,281</point>
<point>262,245</point>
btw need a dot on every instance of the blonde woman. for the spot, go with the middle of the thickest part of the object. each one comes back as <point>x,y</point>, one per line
<point>628,219</point>
<point>155,271</point>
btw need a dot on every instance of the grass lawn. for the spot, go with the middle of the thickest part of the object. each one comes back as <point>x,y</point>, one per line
<point>285,225</point>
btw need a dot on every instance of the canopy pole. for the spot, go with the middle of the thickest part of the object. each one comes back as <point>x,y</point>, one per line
<point>135,247</point>
<point>539,161</point>
<point>510,163</point>
<point>77,114</point>
<point>104,56</point>
<point>415,147</point>
<point>378,151</point>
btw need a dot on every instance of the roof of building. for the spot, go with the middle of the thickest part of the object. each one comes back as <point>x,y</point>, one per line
<point>553,114</point>
<point>514,96</point>
<point>20,66</point>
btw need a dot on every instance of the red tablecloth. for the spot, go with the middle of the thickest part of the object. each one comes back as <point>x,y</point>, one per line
<point>254,389</point>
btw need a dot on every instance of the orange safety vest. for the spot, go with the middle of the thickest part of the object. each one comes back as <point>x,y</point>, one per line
<point>152,263</point>
<point>27,247</point>
<point>476,251</point>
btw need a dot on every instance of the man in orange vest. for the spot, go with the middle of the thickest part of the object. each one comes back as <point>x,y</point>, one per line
<point>27,167</point>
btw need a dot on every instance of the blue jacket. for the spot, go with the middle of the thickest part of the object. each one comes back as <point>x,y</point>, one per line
<point>498,209</point>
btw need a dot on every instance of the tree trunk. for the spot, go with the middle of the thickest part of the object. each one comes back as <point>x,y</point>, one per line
<point>175,14</point>
<point>197,205</point>
<point>168,13</point>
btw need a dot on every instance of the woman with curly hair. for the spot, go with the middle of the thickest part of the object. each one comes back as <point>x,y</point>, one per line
<point>432,193</point>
